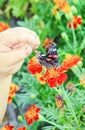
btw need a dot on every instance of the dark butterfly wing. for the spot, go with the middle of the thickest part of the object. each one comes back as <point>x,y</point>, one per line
<point>52,56</point>
<point>52,50</point>
<point>50,60</point>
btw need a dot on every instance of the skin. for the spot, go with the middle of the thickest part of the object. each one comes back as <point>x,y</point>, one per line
<point>15,45</point>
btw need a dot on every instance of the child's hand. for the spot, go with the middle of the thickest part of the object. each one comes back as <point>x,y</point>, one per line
<point>15,45</point>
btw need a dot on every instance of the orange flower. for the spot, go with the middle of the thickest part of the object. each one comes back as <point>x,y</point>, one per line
<point>62,5</point>
<point>47,42</point>
<point>3,26</point>
<point>13,89</point>
<point>55,77</point>
<point>22,128</point>
<point>70,61</point>
<point>33,66</point>
<point>32,114</point>
<point>7,127</point>
<point>54,11</point>
<point>75,21</point>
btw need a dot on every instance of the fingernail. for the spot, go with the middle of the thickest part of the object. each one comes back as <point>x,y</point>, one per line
<point>28,50</point>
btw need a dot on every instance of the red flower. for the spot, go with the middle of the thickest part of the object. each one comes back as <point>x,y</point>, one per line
<point>62,78</point>
<point>75,21</point>
<point>7,127</point>
<point>3,26</point>
<point>55,77</point>
<point>22,128</point>
<point>34,67</point>
<point>70,61</point>
<point>52,82</point>
<point>13,89</point>
<point>32,114</point>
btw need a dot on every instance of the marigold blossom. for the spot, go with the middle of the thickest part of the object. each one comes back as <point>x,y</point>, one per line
<point>22,128</point>
<point>47,42</point>
<point>62,78</point>
<point>3,26</point>
<point>70,61</point>
<point>55,77</point>
<point>62,5</point>
<point>13,89</point>
<point>7,127</point>
<point>33,66</point>
<point>32,114</point>
<point>75,21</point>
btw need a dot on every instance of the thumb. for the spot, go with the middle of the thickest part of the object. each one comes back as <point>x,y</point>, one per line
<point>19,54</point>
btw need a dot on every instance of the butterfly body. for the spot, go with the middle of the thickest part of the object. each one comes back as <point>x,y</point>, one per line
<point>50,60</point>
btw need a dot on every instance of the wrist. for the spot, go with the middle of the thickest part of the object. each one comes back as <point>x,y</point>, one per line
<point>5,78</point>
<point>4,92</point>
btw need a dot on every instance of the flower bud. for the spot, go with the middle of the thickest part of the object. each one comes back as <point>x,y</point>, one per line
<point>75,1</point>
<point>59,102</point>
<point>20,119</point>
<point>69,15</point>
<point>76,71</point>
<point>58,16</point>
<point>74,10</point>
<point>33,96</point>
<point>65,36</point>
<point>42,24</point>
<point>80,64</point>
<point>82,79</point>
<point>41,118</point>
<point>70,87</point>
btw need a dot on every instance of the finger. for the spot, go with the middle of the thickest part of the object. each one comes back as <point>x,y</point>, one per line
<point>19,35</point>
<point>26,38</point>
<point>18,55</point>
<point>34,34</point>
<point>14,68</point>
<point>26,30</point>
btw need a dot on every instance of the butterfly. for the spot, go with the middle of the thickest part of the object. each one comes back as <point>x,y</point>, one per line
<point>50,60</point>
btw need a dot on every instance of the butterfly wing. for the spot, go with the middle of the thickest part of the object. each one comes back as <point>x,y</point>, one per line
<point>52,50</point>
<point>50,60</point>
<point>52,56</point>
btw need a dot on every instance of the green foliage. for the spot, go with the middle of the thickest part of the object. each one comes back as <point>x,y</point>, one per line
<point>2,3</point>
<point>37,15</point>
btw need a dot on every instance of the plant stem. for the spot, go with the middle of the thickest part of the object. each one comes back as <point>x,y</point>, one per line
<point>42,49</point>
<point>24,121</point>
<point>58,126</point>
<point>74,38</point>
<point>82,32</point>
<point>70,106</point>
<point>69,45</point>
<point>63,28</point>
